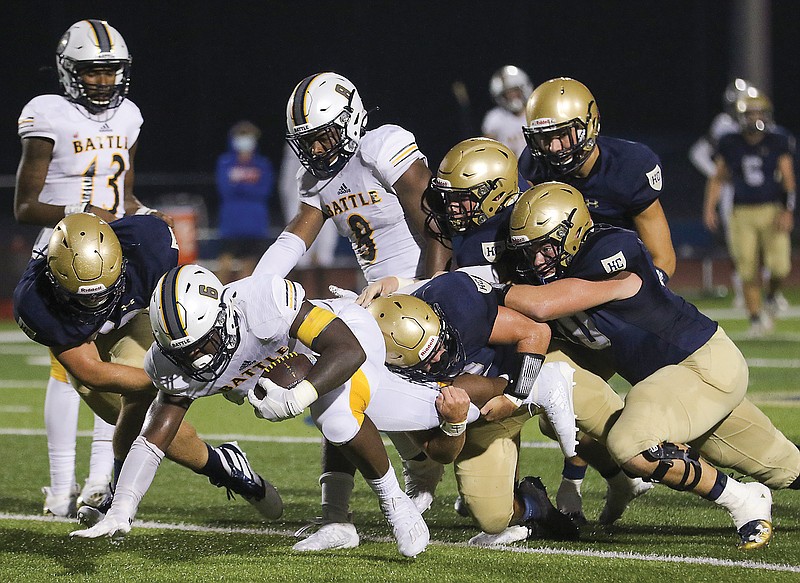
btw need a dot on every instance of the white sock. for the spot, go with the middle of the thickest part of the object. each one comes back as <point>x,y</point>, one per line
<point>336,490</point>
<point>386,487</point>
<point>61,404</point>
<point>101,462</point>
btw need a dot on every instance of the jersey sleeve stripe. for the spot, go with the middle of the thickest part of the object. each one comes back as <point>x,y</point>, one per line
<point>316,321</point>
<point>290,296</point>
<point>404,153</point>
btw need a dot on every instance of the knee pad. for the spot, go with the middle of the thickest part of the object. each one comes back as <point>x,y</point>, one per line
<point>339,429</point>
<point>666,454</point>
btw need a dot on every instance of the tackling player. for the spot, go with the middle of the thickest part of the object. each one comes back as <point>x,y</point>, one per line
<point>688,379</point>
<point>213,339</point>
<point>85,300</point>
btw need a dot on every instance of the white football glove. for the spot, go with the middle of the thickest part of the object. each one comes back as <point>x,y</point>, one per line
<point>278,403</point>
<point>112,527</point>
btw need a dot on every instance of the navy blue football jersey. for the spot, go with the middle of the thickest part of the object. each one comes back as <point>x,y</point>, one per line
<point>469,305</point>
<point>625,180</point>
<point>651,330</point>
<point>754,168</point>
<point>484,244</point>
<point>150,249</point>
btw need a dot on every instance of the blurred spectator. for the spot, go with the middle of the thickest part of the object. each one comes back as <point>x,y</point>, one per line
<point>758,161</point>
<point>510,88</point>
<point>244,184</point>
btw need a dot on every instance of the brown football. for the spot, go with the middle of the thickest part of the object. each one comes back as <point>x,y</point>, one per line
<point>287,371</point>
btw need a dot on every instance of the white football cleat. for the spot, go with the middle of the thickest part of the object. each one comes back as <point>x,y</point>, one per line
<point>96,493</point>
<point>510,535</point>
<point>619,493</point>
<point>753,517</point>
<point>63,505</point>
<point>421,479</point>
<point>408,526</point>
<point>329,535</point>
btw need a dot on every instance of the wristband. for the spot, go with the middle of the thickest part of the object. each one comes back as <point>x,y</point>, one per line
<point>143,210</point>
<point>529,369</point>
<point>72,209</point>
<point>453,429</point>
<point>304,394</point>
<point>515,400</point>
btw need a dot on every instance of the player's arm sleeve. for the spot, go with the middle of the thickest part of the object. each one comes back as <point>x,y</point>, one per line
<point>34,122</point>
<point>395,153</point>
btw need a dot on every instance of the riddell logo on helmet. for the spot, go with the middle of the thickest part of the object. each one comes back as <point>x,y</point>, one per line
<point>543,122</point>
<point>517,239</point>
<point>91,289</point>
<point>426,350</point>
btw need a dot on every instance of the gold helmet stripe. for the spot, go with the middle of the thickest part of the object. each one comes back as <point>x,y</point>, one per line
<point>170,316</point>
<point>102,35</point>
<point>299,104</point>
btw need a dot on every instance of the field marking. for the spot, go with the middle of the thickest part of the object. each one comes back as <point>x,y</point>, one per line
<point>254,438</point>
<point>15,409</point>
<point>650,557</point>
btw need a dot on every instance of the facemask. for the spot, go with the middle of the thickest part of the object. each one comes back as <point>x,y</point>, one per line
<point>244,144</point>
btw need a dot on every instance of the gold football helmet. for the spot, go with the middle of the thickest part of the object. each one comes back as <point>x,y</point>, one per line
<point>419,343</point>
<point>754,112</point>
<point>85,265</point>
<point>562,112</point>
<point>476,179</point>
<point>551,212</point>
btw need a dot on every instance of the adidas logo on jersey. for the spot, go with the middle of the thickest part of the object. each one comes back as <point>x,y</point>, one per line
<point>105,128</point>
<point>343,189</point>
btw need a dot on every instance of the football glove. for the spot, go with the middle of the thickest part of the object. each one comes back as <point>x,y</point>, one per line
<point>278,403</point>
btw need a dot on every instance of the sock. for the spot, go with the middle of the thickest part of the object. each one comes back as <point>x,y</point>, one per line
<point>618,479</point>
<point>387,486</point>
<point>732,494</point>
<point>718,487</point>
<point>101,462</point>
<point>405,446</point>
<point>61,404</point>
<point>573,472</point>
<point>214,467</point>
<point>117,469</point>
<point>337,488</point>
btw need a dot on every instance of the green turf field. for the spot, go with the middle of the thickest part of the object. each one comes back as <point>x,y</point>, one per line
<point>187,530</point>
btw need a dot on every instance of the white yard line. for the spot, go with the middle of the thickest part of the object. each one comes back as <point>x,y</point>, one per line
<point>649,557</point>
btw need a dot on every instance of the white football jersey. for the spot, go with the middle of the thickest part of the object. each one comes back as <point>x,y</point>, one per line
<point>266,307</point>
<point>90,157</point>
<point>505,127</point>
<point>364,207</point>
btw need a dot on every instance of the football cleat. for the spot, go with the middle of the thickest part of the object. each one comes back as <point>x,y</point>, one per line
<point>88,516</point>
<point>95,493</point>
<point>421,479</point>
<point>243,480</point>
<point>753,517</point>
<point>754,535</point>
<point>570,502</point>
<point>553,393</point>
<point>329,535</point>
<point>619,493</point>
<point>408,526</point>
<point>63,505</point>
<point>510,535</point>
<point>542,518</point>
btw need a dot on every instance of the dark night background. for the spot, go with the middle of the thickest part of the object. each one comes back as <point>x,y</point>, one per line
<point>657,70</point>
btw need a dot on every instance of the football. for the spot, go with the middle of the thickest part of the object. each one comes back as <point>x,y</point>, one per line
<point>287,371</point>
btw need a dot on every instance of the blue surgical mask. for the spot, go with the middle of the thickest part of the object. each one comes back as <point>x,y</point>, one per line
<point>244,143</point>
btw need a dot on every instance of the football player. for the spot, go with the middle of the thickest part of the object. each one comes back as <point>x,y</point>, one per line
<point>370,184</point>
<point>621,180</point>
<point>214,339</point>
<point>510,88</point>
<point>77,154</point>
<point>688,379</point>
<point>85,300</point>
<point>470,201</point>
<point>759,161</point>
<point>702,156</point>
